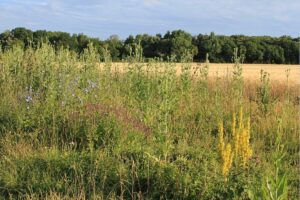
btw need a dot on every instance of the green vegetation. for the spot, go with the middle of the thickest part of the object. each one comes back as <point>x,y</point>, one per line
<point>178,45</point>
<point>72,130</point>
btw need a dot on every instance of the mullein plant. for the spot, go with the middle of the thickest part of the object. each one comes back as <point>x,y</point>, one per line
<point>225,152</point>
<point>241,138</point>
<point>240,141</point>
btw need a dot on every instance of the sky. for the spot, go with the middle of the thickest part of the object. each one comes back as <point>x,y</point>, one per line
<point>102,18</point>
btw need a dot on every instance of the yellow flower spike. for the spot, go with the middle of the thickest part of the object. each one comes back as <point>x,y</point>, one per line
<point>241,144</point>
<point>221,135</point>
<point>248,124</point>
<point>225,152</point>
<point>227,160</point>
<point>241,125</point>
<point>245,150</point>
<point>235,134</point>
<point>233,125</point>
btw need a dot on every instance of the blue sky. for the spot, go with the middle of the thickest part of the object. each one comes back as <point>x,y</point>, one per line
<point>102,18</point>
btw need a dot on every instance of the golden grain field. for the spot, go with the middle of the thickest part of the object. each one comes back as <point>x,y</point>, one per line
<point>278,72</point>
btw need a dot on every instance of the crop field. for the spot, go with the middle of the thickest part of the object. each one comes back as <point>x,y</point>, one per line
<point>251,72</point>
<point>71,129</point>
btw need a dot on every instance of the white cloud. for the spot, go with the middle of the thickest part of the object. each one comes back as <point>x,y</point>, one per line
<point>100,17</point>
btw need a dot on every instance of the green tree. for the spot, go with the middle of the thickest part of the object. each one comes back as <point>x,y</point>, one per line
<point>227,49</point>
<point>181,45</point>
<point>255,52</point>
<point>24,35</point>
<point>114,45</point>
<point>209,45</point>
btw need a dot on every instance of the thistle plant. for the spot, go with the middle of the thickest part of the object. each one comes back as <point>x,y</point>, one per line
<point>263,91</point>
<point>237,78</point>
<point>204,71</point>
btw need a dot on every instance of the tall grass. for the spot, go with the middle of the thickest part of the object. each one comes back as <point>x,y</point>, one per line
<point>72,129</point>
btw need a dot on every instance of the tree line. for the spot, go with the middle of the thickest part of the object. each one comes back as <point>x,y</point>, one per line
<point>177,45</point>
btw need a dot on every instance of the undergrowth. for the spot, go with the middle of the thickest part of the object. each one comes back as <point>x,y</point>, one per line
<point>70,129</point>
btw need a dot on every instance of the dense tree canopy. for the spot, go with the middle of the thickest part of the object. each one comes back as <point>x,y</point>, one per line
<point>177,44</point>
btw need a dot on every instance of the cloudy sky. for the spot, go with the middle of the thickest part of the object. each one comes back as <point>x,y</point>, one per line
<point>102,18</point>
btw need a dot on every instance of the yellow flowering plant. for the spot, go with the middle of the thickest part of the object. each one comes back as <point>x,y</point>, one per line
<point>240,141</point>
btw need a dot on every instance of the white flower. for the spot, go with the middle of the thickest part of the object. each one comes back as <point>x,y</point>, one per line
<point>28,99</point>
